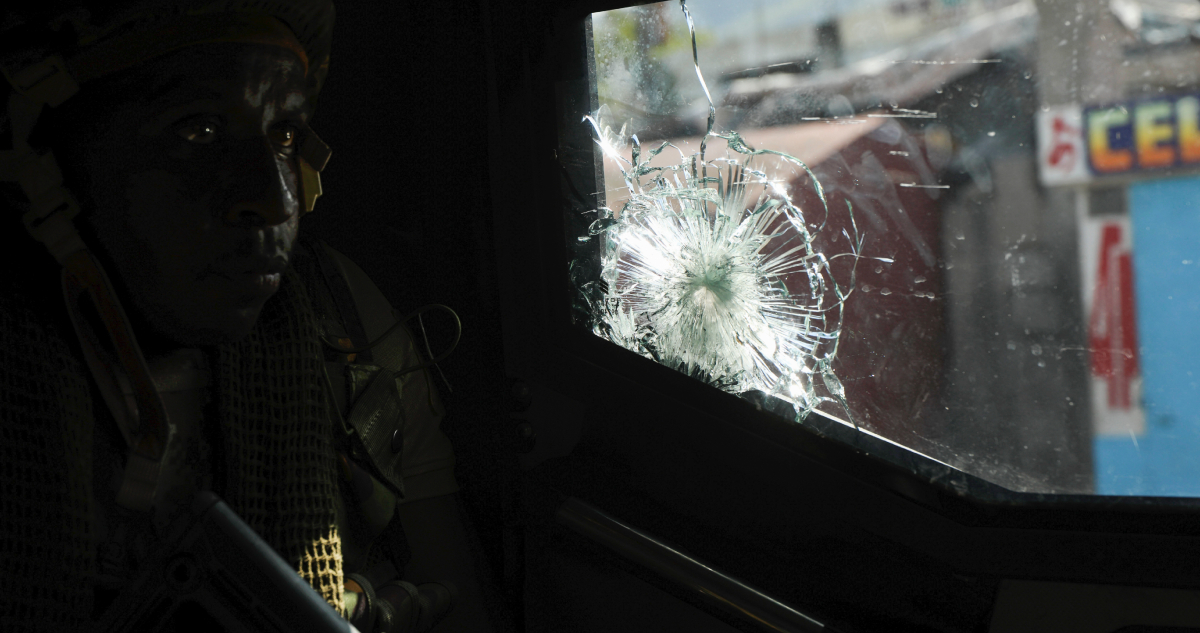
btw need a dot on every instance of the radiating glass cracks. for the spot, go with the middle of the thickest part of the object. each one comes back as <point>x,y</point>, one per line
<point>708,266</point>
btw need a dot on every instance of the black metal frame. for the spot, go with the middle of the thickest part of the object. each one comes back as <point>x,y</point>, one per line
<point>732,596</point>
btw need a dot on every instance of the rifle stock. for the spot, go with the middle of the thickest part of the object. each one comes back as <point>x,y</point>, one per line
<point>218,575</point>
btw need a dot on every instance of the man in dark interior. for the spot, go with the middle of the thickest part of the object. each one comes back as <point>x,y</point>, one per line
<point>176,332</point>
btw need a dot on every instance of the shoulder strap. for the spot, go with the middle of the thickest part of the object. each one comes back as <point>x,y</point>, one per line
<point>343,299</point>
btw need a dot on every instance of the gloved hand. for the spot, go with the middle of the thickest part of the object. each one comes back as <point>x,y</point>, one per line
<point>399,606</point>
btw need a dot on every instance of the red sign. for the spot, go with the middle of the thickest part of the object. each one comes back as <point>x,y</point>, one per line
<point>1064,144</point>
<point>1062,153</point>
<point>1112,333</point>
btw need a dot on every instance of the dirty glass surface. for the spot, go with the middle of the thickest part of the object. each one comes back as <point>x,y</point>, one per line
<point>970,227</point>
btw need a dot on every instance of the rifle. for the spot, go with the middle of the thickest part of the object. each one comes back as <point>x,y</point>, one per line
<point>216,574</point>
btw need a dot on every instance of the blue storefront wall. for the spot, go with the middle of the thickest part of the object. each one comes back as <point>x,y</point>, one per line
<point>1163,460</point>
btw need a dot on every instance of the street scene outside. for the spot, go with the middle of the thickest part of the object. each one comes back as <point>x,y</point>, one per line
<point>1020,178</point>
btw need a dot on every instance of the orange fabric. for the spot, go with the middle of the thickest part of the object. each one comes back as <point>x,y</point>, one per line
<point>83,273</point>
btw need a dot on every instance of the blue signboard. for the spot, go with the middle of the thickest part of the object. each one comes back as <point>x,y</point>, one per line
<point>1163,457</point>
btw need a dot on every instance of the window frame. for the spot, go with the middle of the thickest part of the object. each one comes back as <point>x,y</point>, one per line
<point>667,432</point>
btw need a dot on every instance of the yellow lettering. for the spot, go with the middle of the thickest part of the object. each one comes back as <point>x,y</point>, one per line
<point>1104,157</point>
<point>1151,129</point>
<point>1187,120</point>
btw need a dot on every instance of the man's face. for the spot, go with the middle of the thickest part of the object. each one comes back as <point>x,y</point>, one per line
<point>190,184</point>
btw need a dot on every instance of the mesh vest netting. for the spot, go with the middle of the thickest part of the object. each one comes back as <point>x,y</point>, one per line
<point>279,464</point>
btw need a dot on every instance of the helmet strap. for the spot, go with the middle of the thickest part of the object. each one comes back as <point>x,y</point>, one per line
<point>116,359</point>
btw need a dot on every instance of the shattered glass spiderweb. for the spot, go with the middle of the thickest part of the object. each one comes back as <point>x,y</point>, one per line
<point>734,294</point>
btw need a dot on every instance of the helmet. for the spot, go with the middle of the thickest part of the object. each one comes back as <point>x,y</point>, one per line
<point>87,30</point>
<point>47,53</point>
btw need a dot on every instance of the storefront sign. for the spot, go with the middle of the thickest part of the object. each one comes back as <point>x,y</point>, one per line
<point>1112,326</point>
<point>1077,144</point>
<point>1062,154</point>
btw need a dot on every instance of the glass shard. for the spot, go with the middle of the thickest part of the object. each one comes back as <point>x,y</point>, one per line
<point>711,268</point>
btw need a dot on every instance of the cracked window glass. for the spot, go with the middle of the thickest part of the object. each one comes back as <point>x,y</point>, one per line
<point>968,227</point>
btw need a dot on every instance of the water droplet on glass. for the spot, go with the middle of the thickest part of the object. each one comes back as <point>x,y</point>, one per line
<point>866,287</point>
<point>1028,74</point>
<point>885,292</point>
<point>992,133</point>
<point>938,90</point>
<point>974,103</point>
<point>1041,363</point>
<point>1012,345</point>
<point>919,279</point>
<point>1035,349</point>
<point>878,269</point>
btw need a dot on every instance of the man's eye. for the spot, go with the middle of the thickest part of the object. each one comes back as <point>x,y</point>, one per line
<point>199,132</point>
<point>283,136</point>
